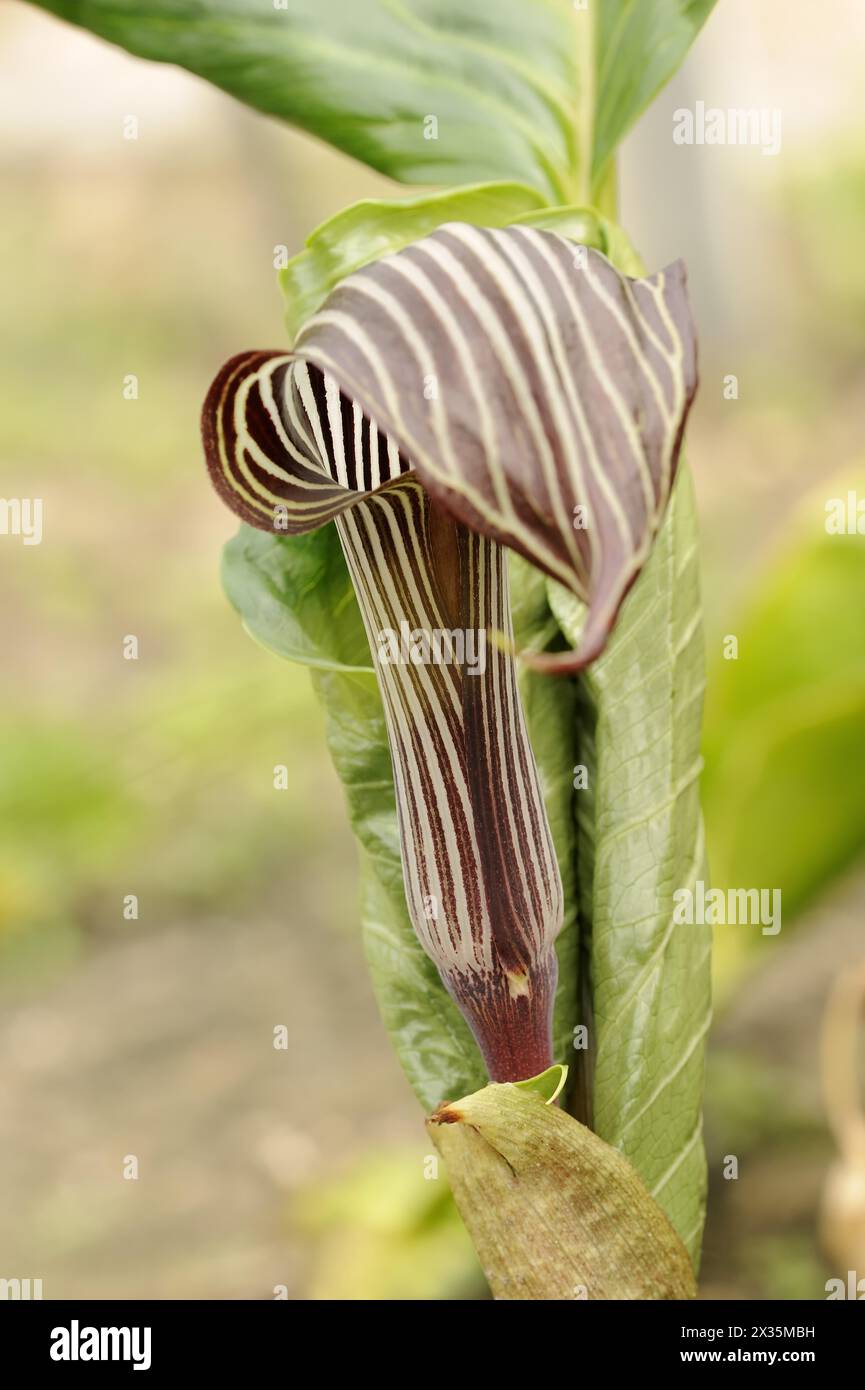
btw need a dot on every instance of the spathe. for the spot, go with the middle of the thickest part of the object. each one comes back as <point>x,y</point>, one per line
<point>539,396</point>
<point>477,390</point>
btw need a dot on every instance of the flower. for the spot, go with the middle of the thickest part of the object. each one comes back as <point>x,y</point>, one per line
<point>477,391</point>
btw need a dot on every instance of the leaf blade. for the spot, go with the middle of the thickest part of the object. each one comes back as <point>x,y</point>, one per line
<point>640,839</point>
<point>540,93</point>
<point>499,82</point>
<point>639,47</point>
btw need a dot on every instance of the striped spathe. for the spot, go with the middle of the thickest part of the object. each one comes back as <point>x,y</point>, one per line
<point>475,391</point>
<point>539,395</point>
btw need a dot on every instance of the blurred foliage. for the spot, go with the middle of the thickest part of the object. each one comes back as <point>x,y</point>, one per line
<point>823,206</point>
<point>381,1231</point>
<point>786,1267</point>
<point>753,1102</point>
<point>784,786</point>
<point>154,776</point>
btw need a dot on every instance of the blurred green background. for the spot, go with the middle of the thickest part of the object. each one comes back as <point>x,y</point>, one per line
<point>303,1169</point>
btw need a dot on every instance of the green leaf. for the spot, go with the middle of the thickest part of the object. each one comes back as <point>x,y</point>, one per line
<point>784,720</point>
<point>639,47</point>
<point>579,223</point>
<point>297,600</point>
<point>510,84</point>
<point>499,76</point>
<point>549,1085</point>
<point>640,839</point>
